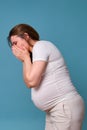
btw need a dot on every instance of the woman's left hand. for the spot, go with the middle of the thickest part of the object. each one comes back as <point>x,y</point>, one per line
<point>20,52</point>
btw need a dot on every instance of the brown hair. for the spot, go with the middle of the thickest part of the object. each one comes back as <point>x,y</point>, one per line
<point>20,29</point>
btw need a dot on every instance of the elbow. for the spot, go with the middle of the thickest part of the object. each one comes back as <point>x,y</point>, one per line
<point>30,82</point>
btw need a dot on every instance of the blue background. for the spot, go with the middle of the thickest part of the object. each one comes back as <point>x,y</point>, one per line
<point>64,22</point>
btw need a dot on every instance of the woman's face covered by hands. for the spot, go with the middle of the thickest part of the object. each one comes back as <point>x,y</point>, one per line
<point>20,47</point>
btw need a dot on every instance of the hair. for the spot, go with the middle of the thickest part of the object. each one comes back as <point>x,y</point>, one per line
<point>20,29</point>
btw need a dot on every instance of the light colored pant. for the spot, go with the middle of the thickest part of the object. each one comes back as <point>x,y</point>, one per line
<point>66,115</point>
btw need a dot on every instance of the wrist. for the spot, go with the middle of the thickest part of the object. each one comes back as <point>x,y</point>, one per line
<point>27,58</point>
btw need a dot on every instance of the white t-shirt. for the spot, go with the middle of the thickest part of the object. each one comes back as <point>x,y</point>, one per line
<point>56,83</point>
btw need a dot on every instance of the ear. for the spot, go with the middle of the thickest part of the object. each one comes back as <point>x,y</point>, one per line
<point>26,36</point>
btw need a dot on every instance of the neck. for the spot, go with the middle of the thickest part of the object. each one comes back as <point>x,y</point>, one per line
<point>32,43</point>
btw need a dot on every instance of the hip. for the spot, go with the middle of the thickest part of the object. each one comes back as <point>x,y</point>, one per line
<point>75,102</point>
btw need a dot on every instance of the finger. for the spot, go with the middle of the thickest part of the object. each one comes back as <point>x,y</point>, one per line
<point>17,49</point>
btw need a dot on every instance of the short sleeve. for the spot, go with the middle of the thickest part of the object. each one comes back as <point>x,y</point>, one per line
<point>40,52</point>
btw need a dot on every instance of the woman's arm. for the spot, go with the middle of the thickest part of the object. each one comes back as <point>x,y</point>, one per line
<point>32,72</point>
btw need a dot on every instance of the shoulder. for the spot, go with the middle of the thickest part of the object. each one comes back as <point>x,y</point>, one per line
<point>41,51</point>
<point>42,46</point>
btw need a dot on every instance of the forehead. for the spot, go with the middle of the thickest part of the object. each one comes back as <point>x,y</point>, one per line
<point>15,37</point>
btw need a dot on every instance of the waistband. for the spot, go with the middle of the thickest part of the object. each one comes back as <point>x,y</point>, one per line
<point>69,96</point>
<point>66,97</point>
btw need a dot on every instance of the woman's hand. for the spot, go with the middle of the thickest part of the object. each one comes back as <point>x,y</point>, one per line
<point>20,53</point>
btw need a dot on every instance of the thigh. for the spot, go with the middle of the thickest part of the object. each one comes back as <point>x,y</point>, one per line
<point>48,123</point>
<point>67,115</point>
<point>59,118</point>
<point>77,110</point>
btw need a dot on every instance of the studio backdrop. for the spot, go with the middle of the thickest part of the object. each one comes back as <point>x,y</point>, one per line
<point>63,22</point>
